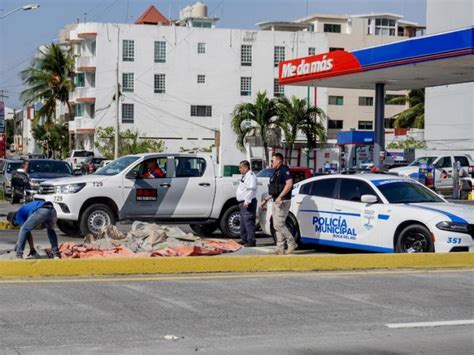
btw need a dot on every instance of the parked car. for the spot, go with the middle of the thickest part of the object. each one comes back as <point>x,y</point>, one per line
<point>377,213</point>
<point>27,179</point>
<point>76,158</point>
<point>90,165</point>
<point>8,167</point>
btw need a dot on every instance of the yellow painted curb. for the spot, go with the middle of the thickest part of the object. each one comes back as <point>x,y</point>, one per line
<point>5,225</point>
<point>130,266</point>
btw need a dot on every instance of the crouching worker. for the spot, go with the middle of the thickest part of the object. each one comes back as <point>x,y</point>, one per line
<point>35,215</point>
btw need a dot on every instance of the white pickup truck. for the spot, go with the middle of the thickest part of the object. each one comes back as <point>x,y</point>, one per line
<point>189,192</point>
<point>77,157</point>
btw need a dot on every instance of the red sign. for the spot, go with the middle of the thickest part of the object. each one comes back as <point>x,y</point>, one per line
<point>317,67</point>
<point>147,194</point>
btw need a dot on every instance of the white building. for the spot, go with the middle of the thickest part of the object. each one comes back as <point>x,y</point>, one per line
<point>449,110</point>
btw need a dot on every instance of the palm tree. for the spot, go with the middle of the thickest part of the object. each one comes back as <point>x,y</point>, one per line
<point>296,115</point>
<point>49,80</point>
<point>414,115</point>
<point>261,113</point>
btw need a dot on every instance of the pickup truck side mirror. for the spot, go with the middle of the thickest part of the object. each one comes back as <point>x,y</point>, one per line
<point>132,175</point>
<point>369,199</point>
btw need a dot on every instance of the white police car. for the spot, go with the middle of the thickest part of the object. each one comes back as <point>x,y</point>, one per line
<point>376,212</point>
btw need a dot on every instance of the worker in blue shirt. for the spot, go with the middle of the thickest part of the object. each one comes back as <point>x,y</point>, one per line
<point>35,215</point>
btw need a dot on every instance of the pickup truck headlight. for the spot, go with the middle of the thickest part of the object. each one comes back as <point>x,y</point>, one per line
<point>35,184</point>
<point>69,188</point>
<point>453,227</point>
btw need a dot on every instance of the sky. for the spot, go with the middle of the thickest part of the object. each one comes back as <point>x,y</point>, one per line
<point>22,32</point>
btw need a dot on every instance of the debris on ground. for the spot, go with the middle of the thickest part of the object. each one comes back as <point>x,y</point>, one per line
<point>145,239</point>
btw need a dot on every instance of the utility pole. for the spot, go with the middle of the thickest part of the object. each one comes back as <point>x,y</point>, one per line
<point>117,99</point>
<point>3,136</point>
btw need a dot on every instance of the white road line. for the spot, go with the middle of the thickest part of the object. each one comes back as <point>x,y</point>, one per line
<point>430,324</point>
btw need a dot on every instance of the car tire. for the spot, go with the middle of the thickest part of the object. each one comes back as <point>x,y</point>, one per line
<point>70,228</point>
<point>95,217</point>
<point>204,229</point>
<point>414,238</point>
<point>292,225</point>
<point>230,222</point>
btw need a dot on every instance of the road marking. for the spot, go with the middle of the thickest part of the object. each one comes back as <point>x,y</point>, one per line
<point>430,324</point>
<point>99,279</point>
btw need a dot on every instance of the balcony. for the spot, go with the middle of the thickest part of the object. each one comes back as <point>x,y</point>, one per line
<point>87,34</point>
<point>85,63</point>
<point>85,94</point>
<point>82,125</point>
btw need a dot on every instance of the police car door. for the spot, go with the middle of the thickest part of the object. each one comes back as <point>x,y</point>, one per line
<point>356,220</point>
<point>193,188</point>
<point>314,204</point>
<point>147,197</point>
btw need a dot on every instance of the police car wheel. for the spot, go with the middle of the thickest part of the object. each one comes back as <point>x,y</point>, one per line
<point>292,225</point>
<point>68,227</point>
<point>414,238</point>
<point>204,229</point>
<point>230,222</point>
<point>95,217</point>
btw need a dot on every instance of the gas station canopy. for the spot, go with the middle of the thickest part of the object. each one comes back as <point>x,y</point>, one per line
<point>434,60</point>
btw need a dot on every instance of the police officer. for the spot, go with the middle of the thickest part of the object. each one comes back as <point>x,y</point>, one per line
<point>246,195</point>
<point>279,189</point>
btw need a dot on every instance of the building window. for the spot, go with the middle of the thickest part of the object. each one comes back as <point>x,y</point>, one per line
<point>201,79</point>
<point>80,81</point>
<point>201,111</point>
<point>332,49</point>
<point>128,50</point>
<point>246,55</point>
<point>311,51</point>
<point>336,100</point>
<point>278,90</point>
<point>245,86</point>
<point>201,48</point>
<point>79,110</point>
<point>366,101</point>
<point>400,100</point>
<point>330,27</point>
<point>92,79</point>
<point>127,113</point>
<point>127,82</point>
<point>279,55</point>
<point>366,125</point>
<point>160,83</point>
<point>385,27</point>
<point>160,52</point>
<point>388,122</point>
<point>335,124</point>
<point>92,110</point>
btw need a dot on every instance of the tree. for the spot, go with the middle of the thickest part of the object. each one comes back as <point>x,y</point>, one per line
<point>49,80</point>
<point>414,115</point>
<point>261,113</point>
<point>53,139</point>
<point>129,143</point>
<point>410,142</point>
<point>296,115</point>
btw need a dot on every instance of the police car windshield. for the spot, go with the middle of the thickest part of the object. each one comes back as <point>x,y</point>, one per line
<point>422,160</point>
<point>266,173</point>
<point>117,166</point>
<point>406,192</point>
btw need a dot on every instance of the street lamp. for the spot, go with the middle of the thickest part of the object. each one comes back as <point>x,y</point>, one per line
<point>24,8</point>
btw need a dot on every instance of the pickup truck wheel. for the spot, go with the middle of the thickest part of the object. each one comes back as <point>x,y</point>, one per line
<point>292,225</point>
<point>68,227</point>
<point>95,217</point>
<point>414,238</point>
<point>204,229</point>
<point>230,222</point>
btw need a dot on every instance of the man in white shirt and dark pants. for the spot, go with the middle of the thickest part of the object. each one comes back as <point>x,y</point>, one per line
<point>246,195</point>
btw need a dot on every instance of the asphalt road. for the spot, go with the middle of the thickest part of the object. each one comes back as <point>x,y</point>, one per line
<point>292,313</point>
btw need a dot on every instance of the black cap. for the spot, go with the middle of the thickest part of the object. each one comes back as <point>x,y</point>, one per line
<point>11,218</point>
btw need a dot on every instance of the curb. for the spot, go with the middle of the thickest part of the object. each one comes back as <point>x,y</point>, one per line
<point>5,225</point>
<point>206,264</point>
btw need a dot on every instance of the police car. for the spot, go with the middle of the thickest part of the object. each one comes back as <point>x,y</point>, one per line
<point>376,212</point>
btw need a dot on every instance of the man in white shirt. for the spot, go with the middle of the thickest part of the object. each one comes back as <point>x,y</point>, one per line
<point>246,195</point>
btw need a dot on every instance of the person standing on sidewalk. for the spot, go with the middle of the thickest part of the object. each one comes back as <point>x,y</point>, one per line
<point>35,215</point>
<point>246,196</point>
<point>281,184</point>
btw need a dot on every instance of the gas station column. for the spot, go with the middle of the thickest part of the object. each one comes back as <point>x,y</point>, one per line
<point>379,141</point>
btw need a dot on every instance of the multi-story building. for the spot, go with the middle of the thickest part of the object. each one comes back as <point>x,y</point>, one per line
<point>180,82</point>
<point>348,108</point>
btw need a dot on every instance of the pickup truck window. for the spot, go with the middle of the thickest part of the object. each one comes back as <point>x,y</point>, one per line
<point>58,167</point>
<point>117,166</point>
<point>463,160</point>
<point>422,160</point>
<point>444,162</point>
<point>13,167</point>
<point>153,168</point>
<point>190,167</point>
<point>82,154</point>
